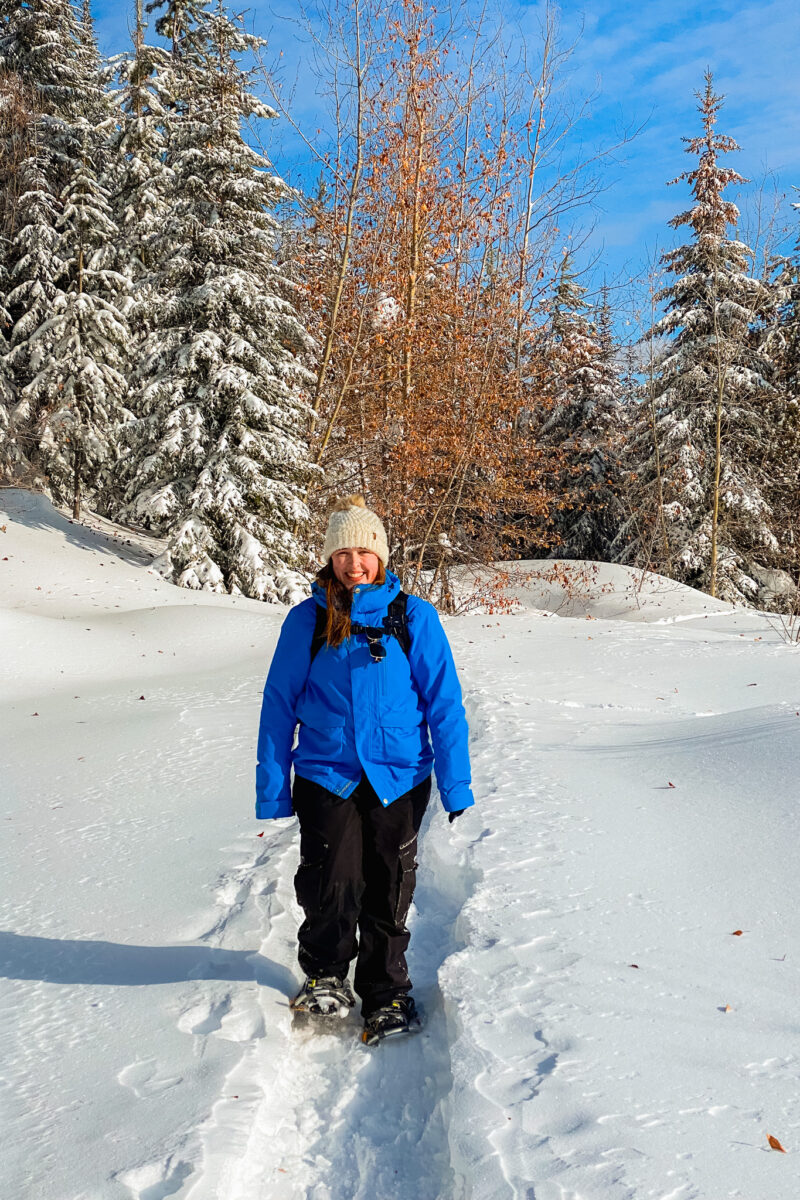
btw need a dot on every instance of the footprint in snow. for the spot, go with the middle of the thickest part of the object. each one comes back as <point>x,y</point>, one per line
<point>204,1018</point>
<point>158,1180</point>
<point>145,1081</point>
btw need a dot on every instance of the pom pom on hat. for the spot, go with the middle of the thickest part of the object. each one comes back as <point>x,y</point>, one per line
<point>349,502</point>
<point>353,526</point>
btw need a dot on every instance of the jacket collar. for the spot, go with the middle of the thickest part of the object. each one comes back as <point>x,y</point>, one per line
<point>369,604</point>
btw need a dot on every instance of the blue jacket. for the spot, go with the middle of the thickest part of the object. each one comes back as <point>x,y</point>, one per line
<point>358,716</point>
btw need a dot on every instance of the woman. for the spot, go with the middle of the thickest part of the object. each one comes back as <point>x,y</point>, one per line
<point>365,700</point>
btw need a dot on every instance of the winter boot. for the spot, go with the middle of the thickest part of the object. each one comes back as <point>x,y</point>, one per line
<point>324,996</point>
<point>390,1020</point>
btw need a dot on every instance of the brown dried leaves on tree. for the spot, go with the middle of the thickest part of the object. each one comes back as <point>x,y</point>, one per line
<point>430,380</point>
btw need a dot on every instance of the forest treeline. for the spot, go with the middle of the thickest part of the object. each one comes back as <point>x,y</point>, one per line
<point>190,346</point>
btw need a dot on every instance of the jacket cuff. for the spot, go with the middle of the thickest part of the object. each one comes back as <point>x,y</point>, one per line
<point>270,810</point>
<point>457,799</point>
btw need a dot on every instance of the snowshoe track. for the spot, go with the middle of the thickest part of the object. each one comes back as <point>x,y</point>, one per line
<point>318,1118</point>
<point>312,1114</point>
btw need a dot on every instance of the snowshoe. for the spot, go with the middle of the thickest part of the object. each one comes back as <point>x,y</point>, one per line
<point>324,996</point>
<point>391,1020</point>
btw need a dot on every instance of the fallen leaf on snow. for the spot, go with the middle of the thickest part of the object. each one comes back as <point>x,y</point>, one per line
<point>775,1144</point>
<point>737,933</point>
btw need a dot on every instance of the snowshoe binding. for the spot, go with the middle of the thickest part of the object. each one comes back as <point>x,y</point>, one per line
<point>390,1021</point>
<point>324,996</point>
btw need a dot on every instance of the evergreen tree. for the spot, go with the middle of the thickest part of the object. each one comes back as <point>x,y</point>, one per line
<point>220,459</point>
<point>48,54</point>
<point>138,180</point>
<point>79,385</point>
<point>706,426</point>
<point>94,107</point>
<point>782,346</point>
<point>585,420</point>
<point>782,321</point>
<point>34,266</point>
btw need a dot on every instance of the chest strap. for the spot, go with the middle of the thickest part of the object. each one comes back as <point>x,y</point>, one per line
<point>395,624</point>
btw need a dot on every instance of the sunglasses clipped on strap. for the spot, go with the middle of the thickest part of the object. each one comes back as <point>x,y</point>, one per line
<point>374,637</point>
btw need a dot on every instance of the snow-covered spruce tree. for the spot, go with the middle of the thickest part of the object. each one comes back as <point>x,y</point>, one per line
<point>584,424</point>
<point>138,180</point>
<point>79,385</point>
<point>781,336</point>
<point>220,460</point>
<point>34,266</point>
<point>138,183</point>
<point>45,52</point>
<point>94,105</point>
<point>706,430</point>
<point>13,122</point>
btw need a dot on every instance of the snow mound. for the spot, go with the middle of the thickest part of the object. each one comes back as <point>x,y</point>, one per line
<point>603,591</point>
<point>56,565</point>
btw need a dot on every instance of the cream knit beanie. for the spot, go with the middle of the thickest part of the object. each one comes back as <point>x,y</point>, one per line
<point>352,526</point>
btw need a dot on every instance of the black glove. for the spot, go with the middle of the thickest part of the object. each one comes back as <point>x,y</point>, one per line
<point>452,816</point>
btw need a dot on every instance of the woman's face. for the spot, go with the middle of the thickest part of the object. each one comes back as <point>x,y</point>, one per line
<point>355,567</point>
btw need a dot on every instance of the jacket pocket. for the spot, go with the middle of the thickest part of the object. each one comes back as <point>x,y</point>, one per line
<point>401,746</point>
<point>320,743</point>
<point>406,881</point>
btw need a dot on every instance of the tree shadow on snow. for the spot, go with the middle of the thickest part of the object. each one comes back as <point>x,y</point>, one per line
<point>35,511</point>
<point>56,960</point>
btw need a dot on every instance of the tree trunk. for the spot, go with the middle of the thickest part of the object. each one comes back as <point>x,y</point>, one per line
<point>76,485</point>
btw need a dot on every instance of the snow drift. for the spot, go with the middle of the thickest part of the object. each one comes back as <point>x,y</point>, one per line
<point>605,947</point>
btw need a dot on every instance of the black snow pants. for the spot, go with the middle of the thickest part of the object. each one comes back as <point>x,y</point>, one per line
<point>355,884</point>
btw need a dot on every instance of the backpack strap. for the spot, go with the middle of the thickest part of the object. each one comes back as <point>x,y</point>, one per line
<point>395,624</point>
<point>396,621</point>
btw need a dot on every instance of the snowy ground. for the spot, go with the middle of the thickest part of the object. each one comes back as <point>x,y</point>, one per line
<point>596,1028</point>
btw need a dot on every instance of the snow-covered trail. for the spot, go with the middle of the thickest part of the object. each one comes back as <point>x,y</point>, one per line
<point>332,1118</point>
<point>572,942</point>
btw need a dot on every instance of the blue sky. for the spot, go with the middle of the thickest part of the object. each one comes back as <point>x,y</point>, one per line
<point>642,62</point>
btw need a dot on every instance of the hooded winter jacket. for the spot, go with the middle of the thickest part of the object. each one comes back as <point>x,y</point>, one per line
<point>357,716</point>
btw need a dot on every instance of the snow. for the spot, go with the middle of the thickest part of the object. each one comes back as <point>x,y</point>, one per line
<point>595,1029</point>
